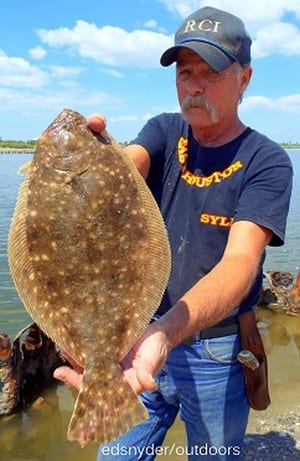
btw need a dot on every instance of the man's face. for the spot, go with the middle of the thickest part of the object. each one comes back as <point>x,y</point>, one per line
<point>207,97</point>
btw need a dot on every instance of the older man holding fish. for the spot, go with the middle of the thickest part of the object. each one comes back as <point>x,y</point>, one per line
<point>223,190</point>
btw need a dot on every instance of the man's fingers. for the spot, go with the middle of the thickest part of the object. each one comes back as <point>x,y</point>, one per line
<point>140,381</point>
<point>139,377</point>
<point>68,376</point>
<point>96,122</point>
<point>146,379</point>
<point>77,367</point>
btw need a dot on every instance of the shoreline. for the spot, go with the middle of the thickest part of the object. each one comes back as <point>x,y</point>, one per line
<point>273,437</point>
<point>7,150</point>
<point>29,150</point>
<point>274,434</point>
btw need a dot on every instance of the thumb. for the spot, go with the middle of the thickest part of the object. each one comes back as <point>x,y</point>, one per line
<point>68,376</point>
<point>145,377</point>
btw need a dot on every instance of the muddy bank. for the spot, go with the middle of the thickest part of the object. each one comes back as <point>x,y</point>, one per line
<point>274,434</point>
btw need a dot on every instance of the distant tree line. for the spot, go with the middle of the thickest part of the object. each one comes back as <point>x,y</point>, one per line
<point>9,144</point>
<point>31,144</point>
<point>290,145</point>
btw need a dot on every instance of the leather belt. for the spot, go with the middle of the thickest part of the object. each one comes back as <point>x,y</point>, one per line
<point>228,326</point>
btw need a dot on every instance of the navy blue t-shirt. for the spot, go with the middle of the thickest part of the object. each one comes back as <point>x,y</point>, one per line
<point>201,191</point>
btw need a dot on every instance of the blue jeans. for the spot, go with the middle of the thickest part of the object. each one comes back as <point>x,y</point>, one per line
<point>205,385</point>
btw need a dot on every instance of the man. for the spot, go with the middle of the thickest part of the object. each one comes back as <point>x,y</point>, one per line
<point>224,191</point>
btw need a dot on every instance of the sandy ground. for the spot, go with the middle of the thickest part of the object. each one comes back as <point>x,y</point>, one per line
<point>274,434</point>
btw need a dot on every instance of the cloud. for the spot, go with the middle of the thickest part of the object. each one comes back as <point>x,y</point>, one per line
<point>109,45</point>
<point>268,26</point>
<point>143,117</point>
<point>53,101</point>
<point>123,118</point>
<point>65,72</point>
<point>254,12</point>
<point>183,8</point>
<point>153,24</point>
<point>37,52</point>
<point>277,38</point>
<point>113,46</point>
<point>17,72</point>
<point>289,103</point>
<point>113,73</point>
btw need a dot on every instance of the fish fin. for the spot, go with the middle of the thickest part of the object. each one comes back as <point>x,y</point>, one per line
<point>25,169</point>
<point>102,414</point>
<point>18,253</point>
<point>20,263</point>
<point>157,262</point>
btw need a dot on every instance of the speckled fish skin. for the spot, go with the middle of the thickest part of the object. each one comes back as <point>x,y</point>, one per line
<point>89,255</point>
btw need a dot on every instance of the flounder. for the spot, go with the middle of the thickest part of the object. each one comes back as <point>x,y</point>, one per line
<point>90,259</point>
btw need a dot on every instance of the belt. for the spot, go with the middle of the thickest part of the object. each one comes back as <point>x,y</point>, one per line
<point>226,327</point>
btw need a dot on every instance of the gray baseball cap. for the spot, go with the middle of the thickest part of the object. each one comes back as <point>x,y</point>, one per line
<point>220,38</point>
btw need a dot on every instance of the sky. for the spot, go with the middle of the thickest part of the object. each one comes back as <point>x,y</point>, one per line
<point>103,56</point>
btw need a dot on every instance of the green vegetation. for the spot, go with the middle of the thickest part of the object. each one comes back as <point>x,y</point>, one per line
<point>30,145</point>
<point>26,145</point>
<point>17,145</point>
<point>290,145</point>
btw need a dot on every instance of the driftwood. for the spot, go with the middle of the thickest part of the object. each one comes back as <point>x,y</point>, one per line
<point>282,291</point>
<point>10,363</point>
<point>295,295</point>
<point>26,367</point>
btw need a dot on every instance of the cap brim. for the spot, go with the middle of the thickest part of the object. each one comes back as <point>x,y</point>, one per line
<point>214,57</point>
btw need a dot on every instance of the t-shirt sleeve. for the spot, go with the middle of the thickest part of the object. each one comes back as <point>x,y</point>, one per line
<point>266,191</point>
<point>153,138</point>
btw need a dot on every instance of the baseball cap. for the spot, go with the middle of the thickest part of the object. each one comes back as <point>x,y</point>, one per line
<point>220,38</point>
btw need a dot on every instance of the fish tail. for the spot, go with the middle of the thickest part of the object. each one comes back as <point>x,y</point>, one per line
<point>103,414</point>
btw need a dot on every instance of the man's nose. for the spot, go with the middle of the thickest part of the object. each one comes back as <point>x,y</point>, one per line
<point>196,85</point>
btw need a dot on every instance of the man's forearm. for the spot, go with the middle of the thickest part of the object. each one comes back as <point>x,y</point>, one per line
<point>210,300</point>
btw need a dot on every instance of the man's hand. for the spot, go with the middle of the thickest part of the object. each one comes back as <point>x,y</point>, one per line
<point>145,359</point>
<point>140,366</point>
<point>70,376</point>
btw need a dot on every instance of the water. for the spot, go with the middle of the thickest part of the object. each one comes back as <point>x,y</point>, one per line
<point>12,316</point>
<point>39,432</point>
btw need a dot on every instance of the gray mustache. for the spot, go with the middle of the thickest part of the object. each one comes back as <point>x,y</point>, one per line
<point>198,102</point>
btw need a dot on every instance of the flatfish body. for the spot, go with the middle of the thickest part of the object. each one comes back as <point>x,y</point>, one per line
<point>90,259</point>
